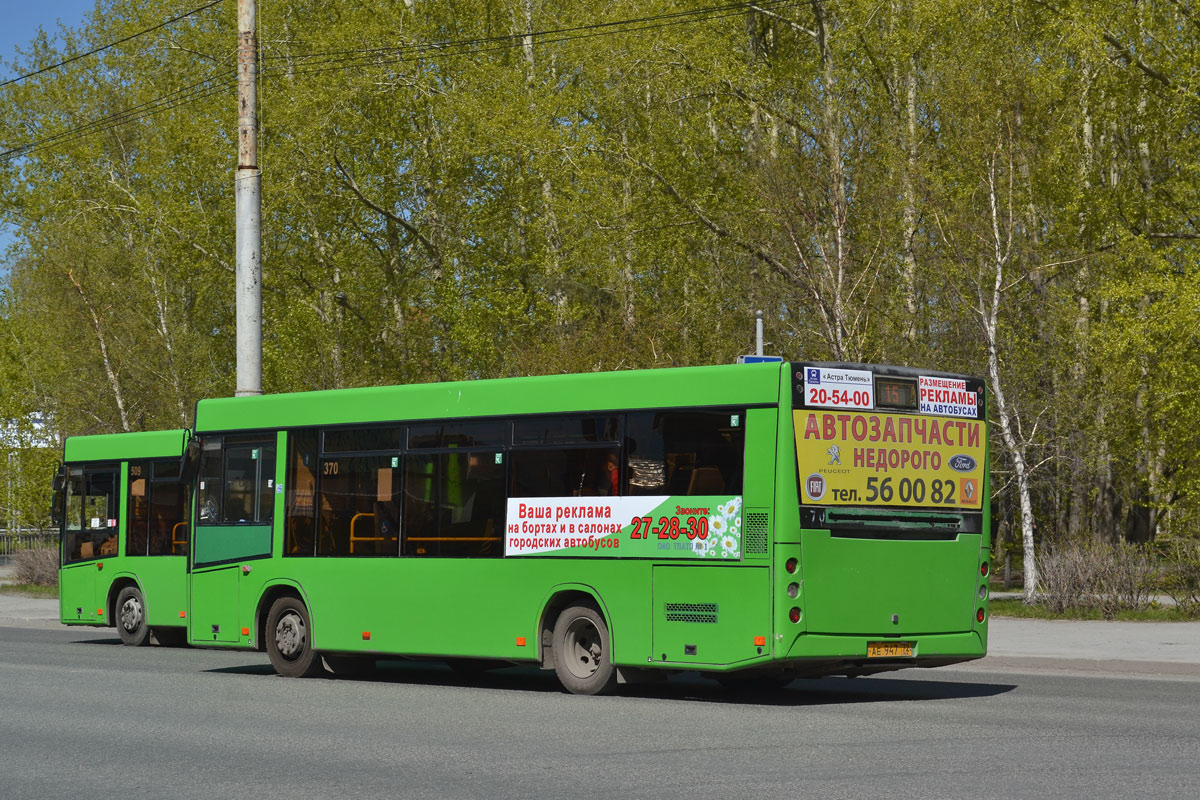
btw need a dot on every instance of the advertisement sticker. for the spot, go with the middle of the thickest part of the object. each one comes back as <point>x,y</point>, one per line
<point>839,388</point>
<point>652,526</point>
<point>873,458</point>
<point>948,397</point>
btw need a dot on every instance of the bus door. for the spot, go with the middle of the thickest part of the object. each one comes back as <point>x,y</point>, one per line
<point>235,501</point>
<point>89,534</point>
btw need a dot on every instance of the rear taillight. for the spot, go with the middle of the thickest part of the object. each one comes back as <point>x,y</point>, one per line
<point>983,569</point>
<point>979,615</point>
<point>791,565</point>
<point>794,614</point>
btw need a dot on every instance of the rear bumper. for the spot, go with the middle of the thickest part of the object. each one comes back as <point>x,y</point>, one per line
<point>823,654</point>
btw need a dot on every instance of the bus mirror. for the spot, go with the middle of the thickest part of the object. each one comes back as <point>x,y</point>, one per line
<point>59,485</point>
<point>189,463</point>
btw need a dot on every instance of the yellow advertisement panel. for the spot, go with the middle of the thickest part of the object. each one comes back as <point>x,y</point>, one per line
<point>865,458</point>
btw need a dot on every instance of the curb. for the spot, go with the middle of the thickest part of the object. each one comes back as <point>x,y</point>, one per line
<point>1100,668</point>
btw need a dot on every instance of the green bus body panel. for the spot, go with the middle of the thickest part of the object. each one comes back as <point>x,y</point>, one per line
<point>941,648</point>
<point>667,388</point>
<point>124,446</point>
<point>710,615</point>
<point>855,586</point>
<point>78,598</point>
<point>84,588</point>
<point>215,620</point>
<point>449,607</point>
<point>163,580</point>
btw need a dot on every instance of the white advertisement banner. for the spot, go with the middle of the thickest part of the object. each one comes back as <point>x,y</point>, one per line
<point>839,388</point>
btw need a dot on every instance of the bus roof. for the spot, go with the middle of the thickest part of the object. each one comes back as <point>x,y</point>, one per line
<point>749,384</point>
<point>119,446</point>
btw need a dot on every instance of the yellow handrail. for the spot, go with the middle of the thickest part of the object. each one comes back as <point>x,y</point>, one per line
<point>353,538</point>
<point>453,539</point>
<point>174,541</point>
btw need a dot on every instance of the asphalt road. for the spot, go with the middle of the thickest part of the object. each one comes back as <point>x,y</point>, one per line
<point>82,716</point>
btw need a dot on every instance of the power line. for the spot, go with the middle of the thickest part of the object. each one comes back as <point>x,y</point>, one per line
<point>111,44</point>
<point>681,15</point>
<point>196,91</point>
<point>367,57</point>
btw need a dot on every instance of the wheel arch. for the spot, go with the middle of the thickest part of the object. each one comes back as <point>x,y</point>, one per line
<point>271,593</point>
<point>119,582</point>
<point>559,598</point>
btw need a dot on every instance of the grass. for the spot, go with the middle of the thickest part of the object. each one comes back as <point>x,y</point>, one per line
<point>1155,613</point>
<point>30,590</point>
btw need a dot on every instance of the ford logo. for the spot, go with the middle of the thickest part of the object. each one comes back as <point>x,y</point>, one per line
<point>961,463</point>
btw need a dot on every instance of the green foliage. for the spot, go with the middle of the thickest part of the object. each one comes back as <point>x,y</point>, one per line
<point>627,196</point>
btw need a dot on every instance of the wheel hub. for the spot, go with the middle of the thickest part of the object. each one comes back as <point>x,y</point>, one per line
<point>584,648</point>
<point>290,635</point>
<point>131,614</point>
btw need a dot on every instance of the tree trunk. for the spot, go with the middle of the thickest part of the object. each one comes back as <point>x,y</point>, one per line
<point>1015,443</point>
<point>114,382</point>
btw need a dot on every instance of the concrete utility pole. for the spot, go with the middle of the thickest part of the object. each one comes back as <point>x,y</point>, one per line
<point>248,201</point>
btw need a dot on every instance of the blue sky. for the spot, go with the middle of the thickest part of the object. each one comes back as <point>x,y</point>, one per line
<point>19,22</point>
<point>20,19</point>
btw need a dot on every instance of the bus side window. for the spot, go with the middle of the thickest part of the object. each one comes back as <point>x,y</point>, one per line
<point>359,509</point>
<point>454,504</point>
<point>301,488</point>
<point>237,480</point>
<point>685,452</point>
<point>91,525</point>
<point>139,498</point>
<point>209,496</point>
<point>168,523</point>
<point>157,524</point>
<point>565,472</point>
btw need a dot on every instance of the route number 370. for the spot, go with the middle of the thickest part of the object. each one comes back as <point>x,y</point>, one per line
<point>910,491</point>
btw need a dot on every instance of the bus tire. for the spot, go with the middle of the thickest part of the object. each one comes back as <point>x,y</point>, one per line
<point>582,651</point>
<point>289,643</point>
<point>131,617</point>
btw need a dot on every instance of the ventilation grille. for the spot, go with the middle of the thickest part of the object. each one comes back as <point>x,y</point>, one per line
<point>755,534</point>
<point>691,612</point>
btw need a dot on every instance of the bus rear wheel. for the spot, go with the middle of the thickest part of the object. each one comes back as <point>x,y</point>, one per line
<point>288,642</point>
<point>131,617</point>
<point>582,651</point>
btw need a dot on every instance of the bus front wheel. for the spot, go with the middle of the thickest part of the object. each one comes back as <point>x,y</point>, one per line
<point>288,641</point>
<point>582,651</point>
<point>131,617</point>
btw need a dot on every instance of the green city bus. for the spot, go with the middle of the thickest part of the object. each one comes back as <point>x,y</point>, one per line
<point>758,522</point>
<point>123,512</point>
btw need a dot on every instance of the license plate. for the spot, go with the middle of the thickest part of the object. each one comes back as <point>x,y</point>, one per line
<point>889,649</point>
